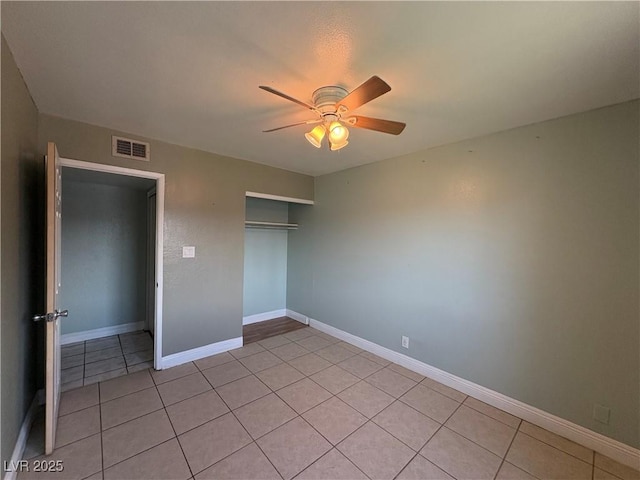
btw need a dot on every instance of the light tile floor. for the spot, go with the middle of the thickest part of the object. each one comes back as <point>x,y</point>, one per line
<point>84,363</point>
<point>301,405</point>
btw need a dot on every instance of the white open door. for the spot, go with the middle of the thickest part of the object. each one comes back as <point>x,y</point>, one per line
<point>51,318</point>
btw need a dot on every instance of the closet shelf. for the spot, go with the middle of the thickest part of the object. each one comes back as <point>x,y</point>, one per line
<point>270,225</point>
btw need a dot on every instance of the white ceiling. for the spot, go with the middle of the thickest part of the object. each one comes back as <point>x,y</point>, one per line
<point>188,72</point>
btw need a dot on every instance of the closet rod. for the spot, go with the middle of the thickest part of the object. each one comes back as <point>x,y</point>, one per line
<point>270,225</point>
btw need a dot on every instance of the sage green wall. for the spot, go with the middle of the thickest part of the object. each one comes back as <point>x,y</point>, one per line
<point>204,207</point>
<point>104,242</point>
<point>265,258</point>
<point>21,271</point>
<point>510,260</point>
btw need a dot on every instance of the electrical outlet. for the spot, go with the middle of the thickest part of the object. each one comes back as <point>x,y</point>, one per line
<point>601,414</point>
<point>405,341</point>
<point>188,252</point>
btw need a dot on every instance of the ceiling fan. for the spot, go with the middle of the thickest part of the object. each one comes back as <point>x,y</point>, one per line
<point>333,106</point>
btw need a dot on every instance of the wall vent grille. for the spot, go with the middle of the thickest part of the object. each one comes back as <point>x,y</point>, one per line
<point>127,148</point>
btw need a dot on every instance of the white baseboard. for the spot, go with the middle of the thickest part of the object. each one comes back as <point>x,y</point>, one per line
<point>23,436</point>
<point>263,317</point>
<point>298,316</point>
<point>200,352</point>
<point>100,332</point>
<point>606,446</point>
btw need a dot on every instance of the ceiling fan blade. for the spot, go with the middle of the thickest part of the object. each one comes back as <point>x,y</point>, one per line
<point>377,124</point>
<point>308,122</point>
<point>372,88</point>
<point>284,95</point>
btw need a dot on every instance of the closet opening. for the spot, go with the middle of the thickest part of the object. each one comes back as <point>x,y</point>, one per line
<point>265,267</point>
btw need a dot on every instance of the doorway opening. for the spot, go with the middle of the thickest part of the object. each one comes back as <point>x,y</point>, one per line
<point>112,248</point>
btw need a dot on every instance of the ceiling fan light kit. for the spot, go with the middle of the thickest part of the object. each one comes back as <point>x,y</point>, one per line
<point>332,104</point>
<point>338,133</point>
<point>316,135</point>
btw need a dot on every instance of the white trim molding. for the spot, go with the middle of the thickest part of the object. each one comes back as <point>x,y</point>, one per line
<point>263,317</point>
<point>68,338</point>
<point>614,449</point>
<point>103,167</point>
<point>23,435</point>
<point>298,316</point>
<point>280,198</point>
<point>179,358</point>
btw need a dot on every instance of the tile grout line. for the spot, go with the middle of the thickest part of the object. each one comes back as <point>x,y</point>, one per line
<point>460,404</point>
<point>388,393</point>
<point>553,446</point>
<point>140,453</point>
<point>144,415</point>
<point>333,447</point>
<point>258,445</point>
<point>515,429</point>
<point>298,415</point>
<point>243,427</point>
<point>504,459</point>
<point>230,410</point>
<point>122,354</point>
<point>335,395</point>
<point>476,443</point>
<point>134,418</point>
<point>84,377</point>
<point>84,363</point>
<point>330,443</point>
<point>415,409</point>
<point>124,359</point>
<point>101,439</point>
<point>401,441</point>
<point>409,462</point>
<point>497,420</point>
<point>175,433</point>
<point>358,376</point>
<point>435,420</point>
<point>435,433</point>
<point>370,420</point>
<point>361,413</point>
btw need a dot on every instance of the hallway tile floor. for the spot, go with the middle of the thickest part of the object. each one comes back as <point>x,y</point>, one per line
<point>84,363</point>
<point>302,405</point>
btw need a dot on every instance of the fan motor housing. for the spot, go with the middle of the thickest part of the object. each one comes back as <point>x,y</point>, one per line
<point>326,98</point>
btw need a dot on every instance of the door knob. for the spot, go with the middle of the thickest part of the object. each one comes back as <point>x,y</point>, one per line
<point>50,317</point>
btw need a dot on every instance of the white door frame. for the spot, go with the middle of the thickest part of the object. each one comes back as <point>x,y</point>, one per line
<point>150,278</point>
<point>159,178</point>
